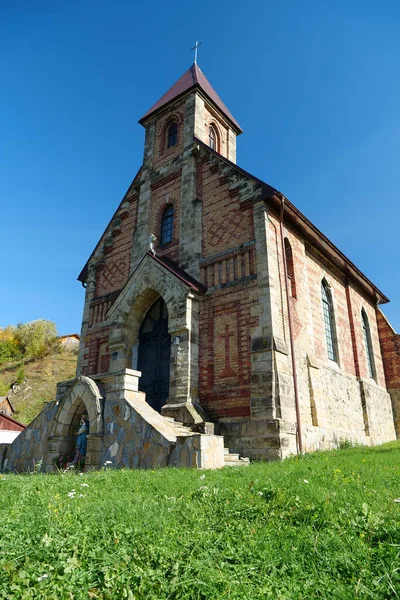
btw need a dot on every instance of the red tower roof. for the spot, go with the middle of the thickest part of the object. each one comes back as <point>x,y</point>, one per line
<point>193,77</point>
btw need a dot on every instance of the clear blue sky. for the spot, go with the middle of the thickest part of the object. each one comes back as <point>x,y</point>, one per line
<point>315,85</point>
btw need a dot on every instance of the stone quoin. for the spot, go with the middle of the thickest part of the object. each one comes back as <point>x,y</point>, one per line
<point>185,347</point>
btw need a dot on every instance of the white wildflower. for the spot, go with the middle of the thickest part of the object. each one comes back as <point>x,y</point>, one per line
<point>306,481</point>
<point>81,474</point>
<point>260,494</point>
<point>202,477</point>
<point>108,462</point>
<point>80,496</point>
<point>84,485</point>
<point>396,500</point>
<point>44,576</point>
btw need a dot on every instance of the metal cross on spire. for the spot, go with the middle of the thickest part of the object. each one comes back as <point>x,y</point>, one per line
<point>195,51</point>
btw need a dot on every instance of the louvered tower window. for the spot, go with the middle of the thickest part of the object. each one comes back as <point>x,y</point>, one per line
<point>172,135</point>
<point>167,222</point>
<point>368,344</point>
<point>329,320</point>
<point>212,138</point>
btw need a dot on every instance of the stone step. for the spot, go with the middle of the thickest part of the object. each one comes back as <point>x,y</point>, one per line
<point>179,427</point>
<point>239,463</point>
<point>231,457</point>
<point>182,428</point>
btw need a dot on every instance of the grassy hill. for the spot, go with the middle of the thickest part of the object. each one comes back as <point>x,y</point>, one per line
<point>39,385</point>
<point>319,526</point>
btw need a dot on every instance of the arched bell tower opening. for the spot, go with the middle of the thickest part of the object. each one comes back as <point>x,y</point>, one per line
<point>154,351</point>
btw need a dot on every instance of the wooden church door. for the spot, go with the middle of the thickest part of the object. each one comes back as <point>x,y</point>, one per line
<point>154,354</point>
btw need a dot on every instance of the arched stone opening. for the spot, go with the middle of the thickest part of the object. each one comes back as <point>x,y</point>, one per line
<point>147,283</point>
<point>84,397</point>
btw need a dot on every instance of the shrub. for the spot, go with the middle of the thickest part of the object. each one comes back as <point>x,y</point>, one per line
<point>37,338</point>
<point>20,376</point>
<point>9,346</point>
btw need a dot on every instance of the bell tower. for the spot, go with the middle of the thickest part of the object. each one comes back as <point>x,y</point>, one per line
<point>188,113</point>
<point>194,109</point>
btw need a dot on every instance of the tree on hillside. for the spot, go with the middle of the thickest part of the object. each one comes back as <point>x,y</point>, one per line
<point>9,346</point>
<point>37,338</point>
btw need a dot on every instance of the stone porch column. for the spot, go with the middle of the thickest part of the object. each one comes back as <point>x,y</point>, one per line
<point>182,403</point>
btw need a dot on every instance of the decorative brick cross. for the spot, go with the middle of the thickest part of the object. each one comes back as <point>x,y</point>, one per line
<point>227,372</point>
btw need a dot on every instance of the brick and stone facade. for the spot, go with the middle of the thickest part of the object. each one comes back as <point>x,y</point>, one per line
<point>221,276</point>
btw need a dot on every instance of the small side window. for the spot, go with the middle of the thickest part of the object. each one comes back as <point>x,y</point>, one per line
<point>290,268</point>
<point>167,222</point>
<point>368,345</point>
<point>212,138</point>
<point>329,320</point>
<point>172,135</point>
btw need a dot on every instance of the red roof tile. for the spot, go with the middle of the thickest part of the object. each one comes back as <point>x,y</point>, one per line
<point>193,77</point>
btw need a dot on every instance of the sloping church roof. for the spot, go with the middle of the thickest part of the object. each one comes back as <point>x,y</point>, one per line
<point>194,77</point>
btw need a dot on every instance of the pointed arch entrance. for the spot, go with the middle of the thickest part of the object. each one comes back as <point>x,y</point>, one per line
<point>154,355</point>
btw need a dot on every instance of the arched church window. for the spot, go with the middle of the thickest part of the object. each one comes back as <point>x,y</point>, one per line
<point>329,320</point>
<point>368,344</point>
<point>212,138</point>
<point>172,134</point>
<point>290,268</point>
<point>167,223</point>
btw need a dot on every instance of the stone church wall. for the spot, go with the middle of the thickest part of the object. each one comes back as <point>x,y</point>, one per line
<point>226,318</point>
<point>109,271</point>
<point>29,448</point>
<point>390,344</point>
<point>166,192</point>
<point>226,223</point>
<point>228,270</point>
<point>338,400</point>
<point>161,153</point>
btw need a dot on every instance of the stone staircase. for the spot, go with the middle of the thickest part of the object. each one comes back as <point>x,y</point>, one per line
<point>234,460</point>
<point>231,459</point>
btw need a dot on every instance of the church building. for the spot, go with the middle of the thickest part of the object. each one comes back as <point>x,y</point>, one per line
<point>219,322</point>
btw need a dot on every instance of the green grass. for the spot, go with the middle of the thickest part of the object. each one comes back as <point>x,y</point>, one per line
<point>320,526</point>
